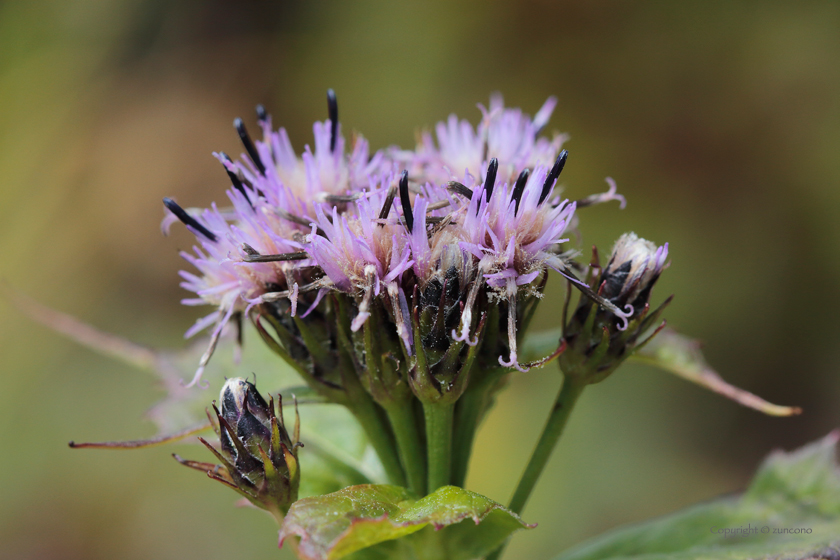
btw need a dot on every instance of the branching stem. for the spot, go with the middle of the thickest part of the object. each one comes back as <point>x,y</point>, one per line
<point>560,412</point>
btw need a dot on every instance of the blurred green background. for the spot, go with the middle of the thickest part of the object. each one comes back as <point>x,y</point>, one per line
<point>720,121</point>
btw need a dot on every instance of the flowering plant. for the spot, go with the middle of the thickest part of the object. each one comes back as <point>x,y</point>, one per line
<point>398,285</point>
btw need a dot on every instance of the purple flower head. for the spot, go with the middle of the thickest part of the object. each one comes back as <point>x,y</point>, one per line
<point>514,237</point>
<point>226,281</point>
<point>512,136</point>
<point>463,152</point>
<point>296,185</point>
<point>361,254</point>
<point>460,149</point>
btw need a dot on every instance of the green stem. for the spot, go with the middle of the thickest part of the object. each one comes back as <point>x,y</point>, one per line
<point>380,437</point>
<point>438,443</point>
<point>569,394</point>
<point>551,434</point>
<point>409,446</point>
<point>468,414</point>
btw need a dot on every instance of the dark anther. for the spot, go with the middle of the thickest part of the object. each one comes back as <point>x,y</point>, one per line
<point>460,189</point>
<point>389,201</point>
<point>188,220</point>
<point>490,179</point>
<point>332,108</point>
<point>262,116</point>
<point>553,174</point>
<point>234,178</point>
<point>406,203</point>
<point>249,145</point>
<point>519,188</point>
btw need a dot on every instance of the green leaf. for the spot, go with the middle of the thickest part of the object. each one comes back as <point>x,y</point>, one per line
<point>383,521</point>
<point>674,353</point>
<point>681,356</point>
<point>790,511</point>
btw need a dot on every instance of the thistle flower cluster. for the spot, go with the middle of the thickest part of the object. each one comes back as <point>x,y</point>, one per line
<point>474,210</point>
<point>400,284</point>
<point>388,276</point>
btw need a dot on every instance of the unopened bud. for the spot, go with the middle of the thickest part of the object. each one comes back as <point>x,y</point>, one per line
<point>597,340</point>
<point>633,269</point>
<point>258,458</point>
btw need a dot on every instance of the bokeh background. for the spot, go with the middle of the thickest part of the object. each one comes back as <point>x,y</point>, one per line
<point>720,121</point>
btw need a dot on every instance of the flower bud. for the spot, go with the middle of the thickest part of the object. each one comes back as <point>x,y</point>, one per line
<point>258,458</point>
<point>633,269</point>
<point>598,341</point>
